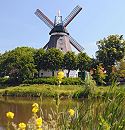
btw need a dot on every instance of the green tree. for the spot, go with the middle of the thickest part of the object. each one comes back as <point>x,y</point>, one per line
<point>39,57</point>
<point>83,62</point>
<point>3,63</point>
<point>111,50</point>
<point>70,62</point>
<point>18,64</point>
<point>99,75</point>
<point>52,60</point>
<point>121,69</point>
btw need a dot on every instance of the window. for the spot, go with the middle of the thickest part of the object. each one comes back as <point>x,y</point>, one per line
<point>41,74</point>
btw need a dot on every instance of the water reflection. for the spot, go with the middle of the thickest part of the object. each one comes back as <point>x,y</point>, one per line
<point>2,128</point>
<point>22,107</point>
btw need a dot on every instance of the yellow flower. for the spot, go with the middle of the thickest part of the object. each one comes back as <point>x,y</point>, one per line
<point>39,129</point>
<point>71,112</point>
<point>39,122</point>
<point>22,126</point>
<point>35,105</point>
<point>60,75</point>
<point>10,115</point>
<point>35,109</point>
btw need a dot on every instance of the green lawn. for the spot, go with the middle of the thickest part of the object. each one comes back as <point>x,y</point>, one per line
<point>38,90</point>
<point>63,90</point>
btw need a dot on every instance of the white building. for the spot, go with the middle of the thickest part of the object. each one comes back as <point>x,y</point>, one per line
<point>48,73</point>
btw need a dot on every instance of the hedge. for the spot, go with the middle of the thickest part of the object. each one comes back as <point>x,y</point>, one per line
<point>54,81</point>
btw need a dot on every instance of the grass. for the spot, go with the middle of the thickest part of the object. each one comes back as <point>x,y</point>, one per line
<point>53,90</point>
<point>105,112</point>
<point>38,90</point>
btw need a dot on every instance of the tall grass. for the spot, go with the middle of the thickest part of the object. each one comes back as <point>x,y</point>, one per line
<point>97,112</point>
<point>103,113</point>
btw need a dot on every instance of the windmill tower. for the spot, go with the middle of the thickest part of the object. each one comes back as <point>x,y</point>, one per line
<point>59,36</point>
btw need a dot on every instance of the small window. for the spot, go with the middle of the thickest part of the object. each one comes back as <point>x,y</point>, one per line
<point>41,74</point>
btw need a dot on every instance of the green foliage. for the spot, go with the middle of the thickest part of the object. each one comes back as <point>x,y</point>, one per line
<point>3,63</point>
<point>39,58</point>
<point>102,113</point>
<point>89,88</point>
<point>99,75</point>
<point>18,64</point>
<point>72,81</point>
<point>54,81</point>
<point>121,70</point>
<point>49,80</point>
<point>70,61</point>
<point>40,90</point>
<point>113,110</point>
<point>53,59</point>
<point>83,61</point>
<point>107,111</point>
<point>23,63</point>
<point>4,81</point>
<point>111,50</point>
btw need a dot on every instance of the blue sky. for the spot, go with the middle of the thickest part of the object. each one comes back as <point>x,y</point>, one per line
<point>98,19</point>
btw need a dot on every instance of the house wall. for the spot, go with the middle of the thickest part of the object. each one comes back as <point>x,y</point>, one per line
<point>73,73</point>
<point>48,73</point>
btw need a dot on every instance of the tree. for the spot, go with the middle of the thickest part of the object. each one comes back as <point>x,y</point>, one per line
<point>39,57</point>
<point>18,63</point>
<point>3,63</point>
<point>83,62</point>
<point>52,60</point>
<point>70,62</point>
<point>111,50</point>
<point>121,69</point>
<point>99,75</point>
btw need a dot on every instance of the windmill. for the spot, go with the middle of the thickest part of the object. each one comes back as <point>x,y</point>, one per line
<point>59,36</point>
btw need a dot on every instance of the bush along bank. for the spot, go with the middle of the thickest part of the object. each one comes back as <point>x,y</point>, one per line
<point>41,90</point>
<point>86,90</point>
<point>105,114</point>
<point>44,80</point>
<point>54,81</point>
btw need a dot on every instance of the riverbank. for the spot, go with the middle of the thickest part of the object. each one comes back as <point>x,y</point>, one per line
<point>65,91</point>
<point>106,108</point>
<point>41,90</point>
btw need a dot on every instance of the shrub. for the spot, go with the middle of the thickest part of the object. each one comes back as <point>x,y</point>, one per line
<point>72,81</point>
<point>89,87</point>
<point>54,81</point>
<point>50,80</point>
<point>4,81</point>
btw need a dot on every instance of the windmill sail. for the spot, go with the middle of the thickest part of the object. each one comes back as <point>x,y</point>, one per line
<point>45,47</point>
<point>44,18</point>
<point>72,15</point>
<point>76,44</point>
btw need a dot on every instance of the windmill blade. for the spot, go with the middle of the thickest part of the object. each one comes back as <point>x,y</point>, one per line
<point>45,47</point>
<point>76,44</point>
<point>44,18</point>
<point>72,15</point>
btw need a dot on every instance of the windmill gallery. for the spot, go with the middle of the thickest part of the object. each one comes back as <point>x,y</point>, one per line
<point>59,36</point>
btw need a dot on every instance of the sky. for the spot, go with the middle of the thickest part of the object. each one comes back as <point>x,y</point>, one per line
<point>98,19</point>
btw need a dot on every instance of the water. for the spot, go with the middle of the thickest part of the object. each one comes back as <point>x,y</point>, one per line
<point>22,107</point>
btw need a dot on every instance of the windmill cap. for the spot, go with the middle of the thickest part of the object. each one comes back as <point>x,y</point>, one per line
<point>59,29</point>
